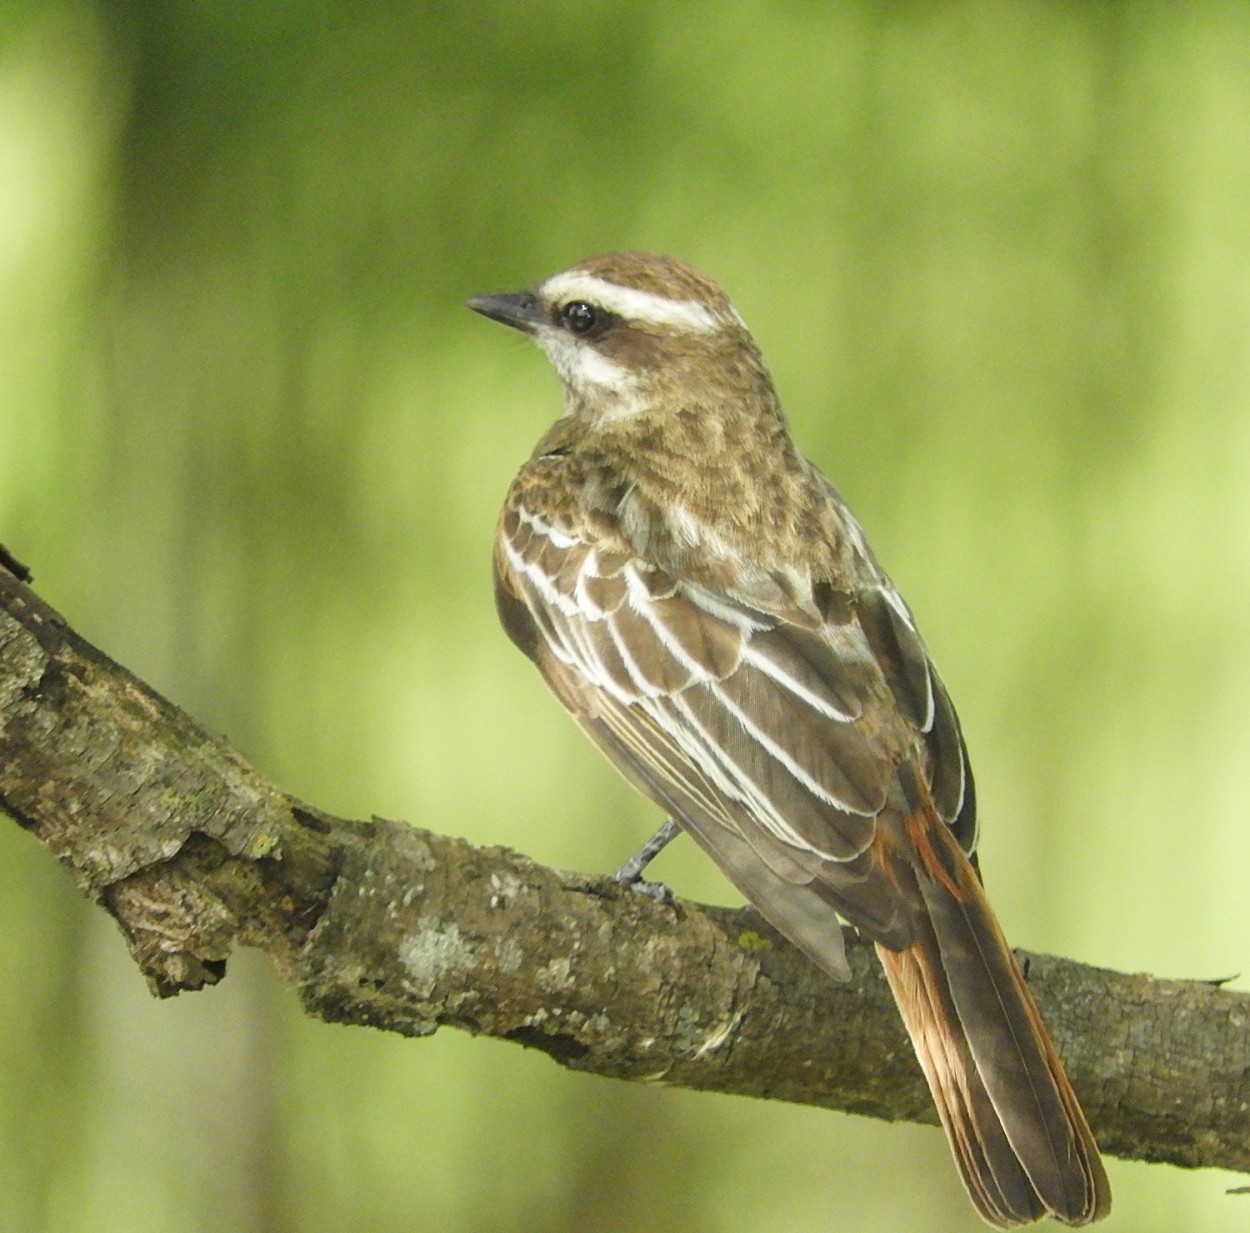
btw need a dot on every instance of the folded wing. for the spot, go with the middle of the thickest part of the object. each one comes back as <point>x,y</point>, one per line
<point>761,733</point>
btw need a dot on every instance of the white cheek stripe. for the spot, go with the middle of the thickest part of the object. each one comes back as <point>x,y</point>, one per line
<point>591,368</point>
<point>582,367</point>
<point>644,307</point>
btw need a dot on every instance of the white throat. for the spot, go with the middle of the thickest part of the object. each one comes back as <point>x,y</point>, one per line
<point>593,381</point>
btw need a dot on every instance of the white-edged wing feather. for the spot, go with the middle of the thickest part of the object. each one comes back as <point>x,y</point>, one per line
<point>750,729</point>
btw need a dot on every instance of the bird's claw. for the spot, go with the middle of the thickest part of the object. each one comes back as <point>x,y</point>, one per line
<point>659,891</point>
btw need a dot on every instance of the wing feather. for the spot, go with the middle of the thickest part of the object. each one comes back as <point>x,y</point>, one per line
<point>755,732</point>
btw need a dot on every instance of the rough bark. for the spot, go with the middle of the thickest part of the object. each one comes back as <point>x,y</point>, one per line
<point>194,853</point>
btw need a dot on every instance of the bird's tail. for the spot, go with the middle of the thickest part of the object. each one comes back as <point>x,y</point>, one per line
<point>1019,1137</point>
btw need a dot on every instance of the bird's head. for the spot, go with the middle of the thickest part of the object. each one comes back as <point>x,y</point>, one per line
<point>633,332</point>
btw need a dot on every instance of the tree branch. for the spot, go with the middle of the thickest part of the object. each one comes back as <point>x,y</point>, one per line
<point>193,853</point>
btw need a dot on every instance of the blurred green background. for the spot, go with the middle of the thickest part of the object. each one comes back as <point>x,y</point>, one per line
<point>253,447</point>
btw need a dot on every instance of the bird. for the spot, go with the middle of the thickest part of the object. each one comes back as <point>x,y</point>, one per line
<point>699,597</point>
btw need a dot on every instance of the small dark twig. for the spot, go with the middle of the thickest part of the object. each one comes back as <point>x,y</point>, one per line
<point>14,566</point>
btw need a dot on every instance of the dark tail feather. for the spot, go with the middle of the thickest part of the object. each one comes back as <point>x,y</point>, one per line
<point>1015,1127</point>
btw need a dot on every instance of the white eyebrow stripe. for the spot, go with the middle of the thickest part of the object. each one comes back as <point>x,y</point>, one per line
<point>630,303</point>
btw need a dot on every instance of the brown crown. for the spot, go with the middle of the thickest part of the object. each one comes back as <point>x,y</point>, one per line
<point>658,274</point>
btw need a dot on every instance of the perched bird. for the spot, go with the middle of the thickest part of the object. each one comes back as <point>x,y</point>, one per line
<point>698,596</point>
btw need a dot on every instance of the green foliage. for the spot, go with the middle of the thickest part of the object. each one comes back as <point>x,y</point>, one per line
<point>250,443</point>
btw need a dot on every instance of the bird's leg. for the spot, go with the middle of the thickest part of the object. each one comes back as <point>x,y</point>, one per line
<point>630,873</point>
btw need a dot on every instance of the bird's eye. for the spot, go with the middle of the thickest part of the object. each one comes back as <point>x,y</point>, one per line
<point>578,317</point>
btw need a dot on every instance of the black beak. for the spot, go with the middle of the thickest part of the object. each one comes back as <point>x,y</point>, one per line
<point>522,311</point>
